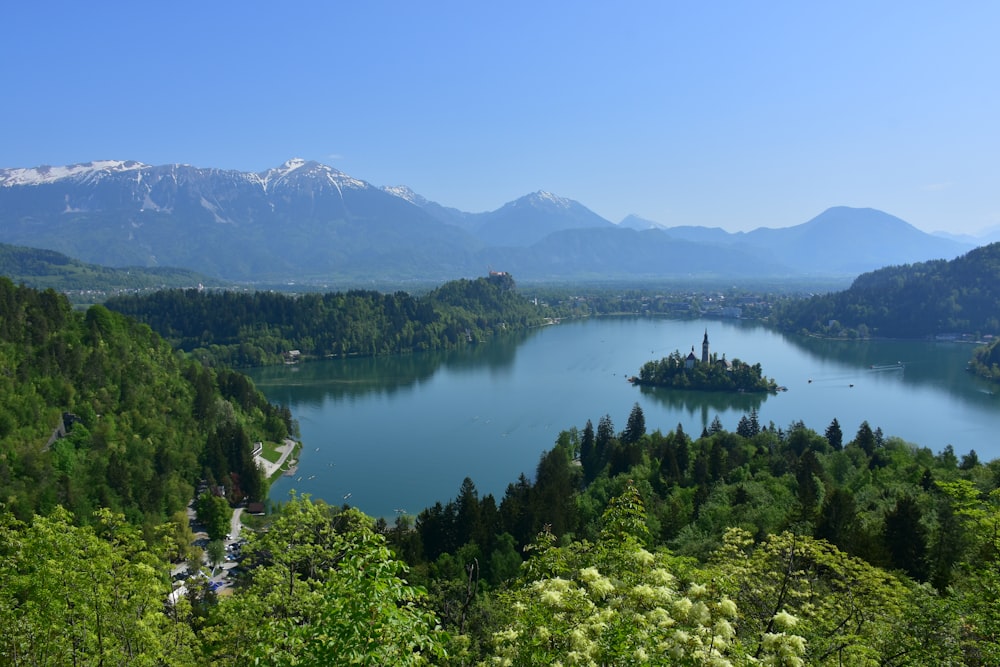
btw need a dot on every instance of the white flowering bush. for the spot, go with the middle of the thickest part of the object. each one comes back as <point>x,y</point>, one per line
<point>802,598</point>
<point>615,603</point>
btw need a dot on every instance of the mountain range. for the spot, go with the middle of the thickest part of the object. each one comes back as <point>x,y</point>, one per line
<point>307,221</point>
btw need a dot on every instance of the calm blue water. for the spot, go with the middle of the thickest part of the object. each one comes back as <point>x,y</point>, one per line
<point>402,433</point>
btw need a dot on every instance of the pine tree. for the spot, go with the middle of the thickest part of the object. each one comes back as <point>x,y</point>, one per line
<point>605,442</point>
<point>906,538</point>
<point>467,515</point>
<point>635,428</point>
<point>589,458</point>
<point>865,439</point>
<point>834,435</point>
<point>716,426</point>
<point>837,519</point>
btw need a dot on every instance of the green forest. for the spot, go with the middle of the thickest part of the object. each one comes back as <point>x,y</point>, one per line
<point>960,296</point>
<point>243,329</point>
<point>100,412</point>
<point>767,545</point>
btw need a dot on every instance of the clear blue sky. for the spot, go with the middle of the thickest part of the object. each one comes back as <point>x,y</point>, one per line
<point>729,114</point>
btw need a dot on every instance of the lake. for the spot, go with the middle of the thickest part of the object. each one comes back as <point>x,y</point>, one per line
<point>400,433</point>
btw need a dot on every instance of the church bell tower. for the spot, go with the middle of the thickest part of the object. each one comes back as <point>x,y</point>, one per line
<point>704,348</point>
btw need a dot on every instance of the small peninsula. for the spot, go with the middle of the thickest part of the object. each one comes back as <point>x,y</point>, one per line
<point>709,373</point>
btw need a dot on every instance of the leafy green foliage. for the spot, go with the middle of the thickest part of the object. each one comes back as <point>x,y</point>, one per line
<point>84,596</point>
<point>614,602</point>
<point>325,590</point>
<point>215,514</point>
<point>848,611</point>
<point>978,590</point>
<point>986,361</point>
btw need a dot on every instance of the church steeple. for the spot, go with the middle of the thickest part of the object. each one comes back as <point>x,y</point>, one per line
<point>704,348</point>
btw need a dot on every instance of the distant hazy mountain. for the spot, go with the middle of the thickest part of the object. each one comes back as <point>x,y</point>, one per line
<point>623,253</point>
<point>42,269</point>
<point>639,224</point>
<point>991,235</point>
<point>307,221</point>
<point>852,241</point>
<point>841,240</point>
<point>518,223</point>
<point>533,217</point>
<point>712,235</point>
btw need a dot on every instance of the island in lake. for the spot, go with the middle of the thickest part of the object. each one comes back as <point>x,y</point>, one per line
<point>709,373</point>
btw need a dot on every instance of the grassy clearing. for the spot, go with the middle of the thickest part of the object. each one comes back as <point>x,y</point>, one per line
<point>271,452</point>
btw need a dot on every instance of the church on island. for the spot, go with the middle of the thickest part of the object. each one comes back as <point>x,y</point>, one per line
<point>709,373</point>
<point>691,359</point>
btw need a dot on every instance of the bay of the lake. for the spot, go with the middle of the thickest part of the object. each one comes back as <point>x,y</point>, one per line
<point>400,433</point>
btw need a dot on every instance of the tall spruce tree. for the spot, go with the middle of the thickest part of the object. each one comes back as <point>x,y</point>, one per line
<point>834,435</point>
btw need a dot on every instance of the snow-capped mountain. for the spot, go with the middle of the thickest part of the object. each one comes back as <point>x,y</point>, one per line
<point>521,222</point>
<point>531,218</point>
<point>295,173</point>
<point>404,192</point>
<point>304,220</point>
<point>298,172</point>
<point>81,172</point>
<point>633,221</point>
<point>301,218</point>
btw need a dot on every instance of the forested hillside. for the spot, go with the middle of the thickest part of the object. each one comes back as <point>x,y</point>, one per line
<point>43,269</point>
<point>258,328</point>
<point>139,425</point>
<point>909,301</point>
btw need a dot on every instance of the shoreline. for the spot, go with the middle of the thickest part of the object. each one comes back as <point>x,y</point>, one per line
<point>274,470</point>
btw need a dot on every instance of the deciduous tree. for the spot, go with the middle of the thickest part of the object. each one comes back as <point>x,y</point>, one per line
<point>326,591</point>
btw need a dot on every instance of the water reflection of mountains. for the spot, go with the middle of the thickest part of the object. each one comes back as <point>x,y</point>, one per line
<point>312,383</point>
<point>918,362</point>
